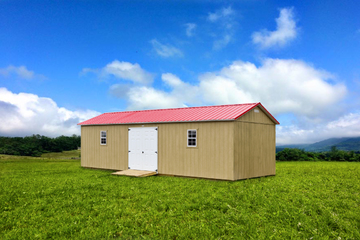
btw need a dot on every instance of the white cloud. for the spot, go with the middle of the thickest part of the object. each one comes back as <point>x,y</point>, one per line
<point>347,125</point>
<point>285,31</point>
<point>220,14</point>
<point>190,29</point>
<point>165,50</point>
<point>150,98</point>
<point>26,114</point>
<point>123,70</point>
<point>21,72</point>
<point>171,80</point>
<point>142,97</point>
<point>187,94</point>
<point>283,85</point>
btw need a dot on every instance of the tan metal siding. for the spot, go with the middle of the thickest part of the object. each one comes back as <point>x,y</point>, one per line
<point>212,158</point>
<point>109,156</point>
<point>254,150</point>
<point>258,117</point>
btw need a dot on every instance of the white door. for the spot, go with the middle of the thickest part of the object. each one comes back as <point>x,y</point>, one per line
<point>143,147</point>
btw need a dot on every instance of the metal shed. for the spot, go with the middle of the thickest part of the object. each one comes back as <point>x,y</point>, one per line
<point>227,142</point>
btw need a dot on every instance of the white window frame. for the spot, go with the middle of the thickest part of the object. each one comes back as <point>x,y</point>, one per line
<point>187,139</point>
<point>101,137</point>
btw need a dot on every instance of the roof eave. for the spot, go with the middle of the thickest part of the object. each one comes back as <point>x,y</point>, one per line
<point>216,120</point>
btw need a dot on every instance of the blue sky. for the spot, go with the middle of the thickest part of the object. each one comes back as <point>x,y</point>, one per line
<point>65,61</point>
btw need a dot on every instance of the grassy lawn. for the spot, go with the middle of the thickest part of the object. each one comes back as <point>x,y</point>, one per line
<point>56,198</point>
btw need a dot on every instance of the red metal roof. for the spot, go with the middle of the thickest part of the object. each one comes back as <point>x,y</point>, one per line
<point>188,114</point>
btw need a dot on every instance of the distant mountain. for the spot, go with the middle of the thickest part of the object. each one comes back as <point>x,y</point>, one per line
<point>349,144</point>
<point>299,146</point>
<point>346,144</point>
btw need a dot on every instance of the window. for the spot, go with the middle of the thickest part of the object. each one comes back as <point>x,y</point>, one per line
<point>191,138</point>
<point>103,138</point>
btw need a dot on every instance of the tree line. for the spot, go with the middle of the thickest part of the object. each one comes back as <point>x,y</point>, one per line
<point>35,145</point>
<point>295,154</point>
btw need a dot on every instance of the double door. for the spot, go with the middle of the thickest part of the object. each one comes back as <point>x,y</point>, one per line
<point>143,148</point>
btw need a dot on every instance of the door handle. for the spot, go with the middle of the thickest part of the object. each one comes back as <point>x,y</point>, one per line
<point>142,151</point>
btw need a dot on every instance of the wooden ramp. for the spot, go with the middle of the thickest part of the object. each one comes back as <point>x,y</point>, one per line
<point>135,173</point>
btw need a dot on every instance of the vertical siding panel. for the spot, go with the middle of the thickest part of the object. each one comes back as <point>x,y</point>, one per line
<point>256,149</point>
<point>177,151</point>
<point>262,155</point>
<point>203,167</point>
<point>218,137</point>
<point>181,136</point>
<point>213,141</point>
<point>250,152</point>
<point>242,150</point>
<point>237,146</point>
<point>235,149</point>
<point>245,147</point>
<point>273,149</point>
<point>162,146</point>
<point>83,143</point>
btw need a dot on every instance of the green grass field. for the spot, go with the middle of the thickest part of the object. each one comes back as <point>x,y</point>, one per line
<point>56,198</point>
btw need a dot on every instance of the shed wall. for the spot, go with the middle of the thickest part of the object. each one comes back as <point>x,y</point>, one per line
<point>212,158</point>
<point>254,146</point>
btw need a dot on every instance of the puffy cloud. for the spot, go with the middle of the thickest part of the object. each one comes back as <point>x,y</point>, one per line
<point>283,85</point>
<point>142,97</point>
<point>150,98</point>
<point>172,80</point>
<point>190,29</point>
<point>219,90</point>
<point>285,31</point>
<point>165,50</point>
<point>25,114</point>
<point>123,70</point>
<point>21,72</point>
<point>186,93</point>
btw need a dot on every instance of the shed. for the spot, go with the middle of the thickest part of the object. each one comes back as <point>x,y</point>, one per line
<point>227,142</point>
